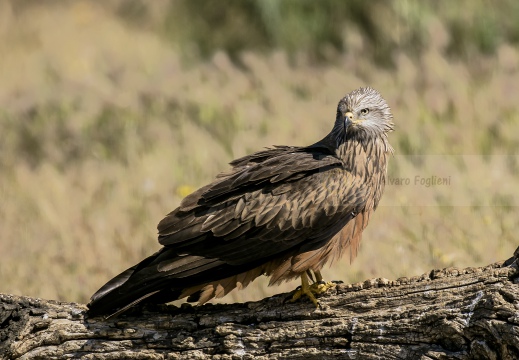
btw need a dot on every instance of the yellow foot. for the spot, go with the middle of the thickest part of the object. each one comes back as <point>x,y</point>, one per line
<point>321,287</point>
<point>310,291</point>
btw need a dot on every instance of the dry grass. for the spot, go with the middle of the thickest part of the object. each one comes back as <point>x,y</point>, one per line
<point>105,128</point>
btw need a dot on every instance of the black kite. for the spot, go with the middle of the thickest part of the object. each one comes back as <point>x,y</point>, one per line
<point>282,212</point>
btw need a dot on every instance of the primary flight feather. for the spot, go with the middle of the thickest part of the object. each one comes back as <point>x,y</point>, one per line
<point>283,212</point>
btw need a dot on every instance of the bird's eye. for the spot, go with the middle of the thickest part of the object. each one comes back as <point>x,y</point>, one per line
<point>364,111</point>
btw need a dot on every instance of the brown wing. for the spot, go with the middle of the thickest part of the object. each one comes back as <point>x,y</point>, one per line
<point>279,200</point>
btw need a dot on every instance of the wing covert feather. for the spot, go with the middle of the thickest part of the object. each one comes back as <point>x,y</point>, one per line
<point>244,215</point>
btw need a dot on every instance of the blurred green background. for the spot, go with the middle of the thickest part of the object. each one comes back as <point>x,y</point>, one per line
<point>111,112</point>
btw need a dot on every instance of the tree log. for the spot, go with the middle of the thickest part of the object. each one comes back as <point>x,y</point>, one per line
<point>452,313</point>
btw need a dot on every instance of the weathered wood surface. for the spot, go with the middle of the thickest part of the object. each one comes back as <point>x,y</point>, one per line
<point>470,313</point>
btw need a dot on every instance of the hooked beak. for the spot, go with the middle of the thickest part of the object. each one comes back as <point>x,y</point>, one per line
<point>348,119</point>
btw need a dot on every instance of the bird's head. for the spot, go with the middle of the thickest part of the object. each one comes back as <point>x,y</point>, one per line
<point>363,113</point>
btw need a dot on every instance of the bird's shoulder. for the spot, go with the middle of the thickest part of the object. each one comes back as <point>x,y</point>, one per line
<point>275,168</point>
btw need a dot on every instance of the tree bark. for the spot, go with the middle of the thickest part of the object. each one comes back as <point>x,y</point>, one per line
<point>452,313</point>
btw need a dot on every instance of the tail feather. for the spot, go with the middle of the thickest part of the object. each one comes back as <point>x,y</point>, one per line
<point>140,283</point>
<point>133,303</point>
<point>119,280</point>
<point>160,278</point>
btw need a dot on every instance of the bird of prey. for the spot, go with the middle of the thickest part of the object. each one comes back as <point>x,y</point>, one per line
<point>283,212</point>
